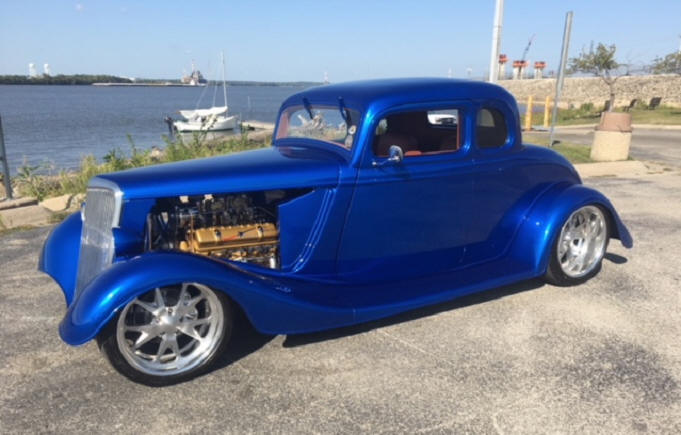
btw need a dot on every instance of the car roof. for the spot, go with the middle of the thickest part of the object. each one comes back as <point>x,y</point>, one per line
<point>383,93</point>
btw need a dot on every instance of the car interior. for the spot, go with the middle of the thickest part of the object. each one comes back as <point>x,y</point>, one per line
<point>418,133</point>
<point>490,129</point>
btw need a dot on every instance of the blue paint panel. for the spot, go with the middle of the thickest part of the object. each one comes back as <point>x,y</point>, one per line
<point>299,222</point>
<point>263,169</point>
<point>269,303</point>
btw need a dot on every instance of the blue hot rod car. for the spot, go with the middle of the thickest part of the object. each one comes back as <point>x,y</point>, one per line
<point>376,197</point>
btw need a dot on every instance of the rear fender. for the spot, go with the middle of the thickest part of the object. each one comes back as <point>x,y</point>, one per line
<point>270,306</point>
<point>542,224</point>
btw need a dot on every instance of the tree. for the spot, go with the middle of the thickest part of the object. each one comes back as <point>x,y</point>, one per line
<point>599,62</point>
<point>670,64</point>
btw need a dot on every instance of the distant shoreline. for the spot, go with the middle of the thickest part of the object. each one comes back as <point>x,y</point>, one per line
<point>108,80</point>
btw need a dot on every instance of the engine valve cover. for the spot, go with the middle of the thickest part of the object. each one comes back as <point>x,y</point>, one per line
<point>211,240</point>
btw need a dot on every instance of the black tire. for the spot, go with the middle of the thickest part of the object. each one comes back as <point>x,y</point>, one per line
<point>555,274</point>
<point>109,346</point>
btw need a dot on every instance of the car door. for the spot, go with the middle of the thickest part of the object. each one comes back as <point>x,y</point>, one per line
<point>503,184</point>
<point>411,218</point>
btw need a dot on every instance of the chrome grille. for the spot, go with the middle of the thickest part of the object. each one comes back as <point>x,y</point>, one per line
<point>100,215</point>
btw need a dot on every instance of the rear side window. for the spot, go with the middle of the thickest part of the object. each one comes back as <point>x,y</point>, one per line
<point>491,131</point>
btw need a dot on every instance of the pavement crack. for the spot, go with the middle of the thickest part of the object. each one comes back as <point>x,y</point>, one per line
<point>416,348</point>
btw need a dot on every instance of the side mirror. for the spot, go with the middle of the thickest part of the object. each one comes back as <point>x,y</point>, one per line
<point>395,155</point>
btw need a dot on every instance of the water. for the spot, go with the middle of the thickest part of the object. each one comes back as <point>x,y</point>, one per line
<point>58,125</point>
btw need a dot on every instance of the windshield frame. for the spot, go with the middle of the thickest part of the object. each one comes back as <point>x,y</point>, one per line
<point>287,112</point>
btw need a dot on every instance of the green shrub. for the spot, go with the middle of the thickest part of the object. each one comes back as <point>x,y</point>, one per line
<point>586,107</point>
<point>38,181</point>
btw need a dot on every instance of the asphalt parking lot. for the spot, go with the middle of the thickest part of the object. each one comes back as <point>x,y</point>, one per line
<point>604,357</point>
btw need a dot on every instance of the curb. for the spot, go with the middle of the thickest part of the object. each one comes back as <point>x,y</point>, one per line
<point>624,168</point>
<point>634,126</point>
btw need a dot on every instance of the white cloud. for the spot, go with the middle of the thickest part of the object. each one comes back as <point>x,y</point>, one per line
<point>79,7</point>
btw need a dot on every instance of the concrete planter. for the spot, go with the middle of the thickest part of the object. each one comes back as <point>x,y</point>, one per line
<point>612,138</point>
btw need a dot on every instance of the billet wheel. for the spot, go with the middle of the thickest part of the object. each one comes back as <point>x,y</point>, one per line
<point>169,334</point>
<point>579,248</point>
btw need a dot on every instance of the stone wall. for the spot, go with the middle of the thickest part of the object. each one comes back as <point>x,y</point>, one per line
<point>578,90</point>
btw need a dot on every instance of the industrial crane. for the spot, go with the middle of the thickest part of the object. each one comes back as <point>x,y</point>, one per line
<point>523,62</point>
<point>529,44</point>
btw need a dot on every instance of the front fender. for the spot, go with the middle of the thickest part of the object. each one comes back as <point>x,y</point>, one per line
<point>543,222</point>
<point>59,257</point>
<point>271,306</point>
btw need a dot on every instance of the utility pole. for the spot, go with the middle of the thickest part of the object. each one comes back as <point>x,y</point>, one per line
<point>561,72</point>
<point>496,41</point>
<point>5,166</point>
<point>678,57</point>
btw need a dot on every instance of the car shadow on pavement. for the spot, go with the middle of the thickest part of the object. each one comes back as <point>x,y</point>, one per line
<point>244,341</point>
<point>614,258</point>
<point>477,298</point>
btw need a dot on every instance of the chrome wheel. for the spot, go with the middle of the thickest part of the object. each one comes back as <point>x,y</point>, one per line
<point>170,330</point>
<point>582,241</point>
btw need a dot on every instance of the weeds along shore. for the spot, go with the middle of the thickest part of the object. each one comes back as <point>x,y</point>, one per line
<point>41,182</point>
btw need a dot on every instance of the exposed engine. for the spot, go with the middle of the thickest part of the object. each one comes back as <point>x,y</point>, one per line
<point>239,227</point>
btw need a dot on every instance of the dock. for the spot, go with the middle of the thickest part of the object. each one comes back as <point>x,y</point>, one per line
<point>257,125</point>
<point>165,84</point>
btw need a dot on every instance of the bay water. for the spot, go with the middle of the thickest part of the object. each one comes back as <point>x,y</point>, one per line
<point>56,126</point>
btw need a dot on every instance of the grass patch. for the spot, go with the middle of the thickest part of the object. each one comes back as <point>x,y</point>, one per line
<point>663,115</point>
<point>41,182</point>
<point>588,114</point>
<point>575,153</point>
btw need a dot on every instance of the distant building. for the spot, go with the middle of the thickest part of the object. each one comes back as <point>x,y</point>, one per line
<point>46,69</point>
<point>195,78</point>
<point>32,73</point>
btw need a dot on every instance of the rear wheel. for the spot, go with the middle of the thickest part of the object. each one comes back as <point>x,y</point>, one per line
<point>169,334</point>
<point>578,251</point>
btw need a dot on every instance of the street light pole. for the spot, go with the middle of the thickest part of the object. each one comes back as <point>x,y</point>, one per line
<point>496,41</point>
<point>561,72</point>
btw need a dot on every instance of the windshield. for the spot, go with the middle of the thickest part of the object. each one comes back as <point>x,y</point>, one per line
<point>336,125</point>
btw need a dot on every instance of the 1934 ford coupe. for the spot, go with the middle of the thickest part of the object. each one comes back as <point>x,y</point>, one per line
<point>376,197</point>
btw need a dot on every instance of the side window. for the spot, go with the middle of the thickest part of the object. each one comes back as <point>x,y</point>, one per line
<point>490,129</point>
<point>419,133</point>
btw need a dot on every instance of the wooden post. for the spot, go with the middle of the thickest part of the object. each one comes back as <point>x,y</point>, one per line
<point>528,114</point>
<point>547,111</point>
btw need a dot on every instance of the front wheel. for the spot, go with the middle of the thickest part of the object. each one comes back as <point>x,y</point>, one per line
<point>169,334</point>
<point>578,251</point>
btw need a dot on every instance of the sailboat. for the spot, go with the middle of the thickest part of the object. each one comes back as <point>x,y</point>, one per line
<point>215,118</point>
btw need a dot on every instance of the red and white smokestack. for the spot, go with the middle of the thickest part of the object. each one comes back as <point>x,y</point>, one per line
<point>538,69</point>
<point>502,66</point>
<point>518,67</point>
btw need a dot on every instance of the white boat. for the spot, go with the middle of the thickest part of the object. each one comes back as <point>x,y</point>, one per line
<point>197,113</point>
<point>208,123</point>
<point>212,119</point>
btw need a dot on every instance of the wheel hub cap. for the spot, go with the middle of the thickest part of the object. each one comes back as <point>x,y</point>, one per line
<point>581,245</point>
<point>170,330</point>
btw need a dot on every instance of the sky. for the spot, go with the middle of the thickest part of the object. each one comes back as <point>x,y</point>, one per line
<point>301,39</point>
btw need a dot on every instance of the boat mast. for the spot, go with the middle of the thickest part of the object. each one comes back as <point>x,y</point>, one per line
<point>224,85</point>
